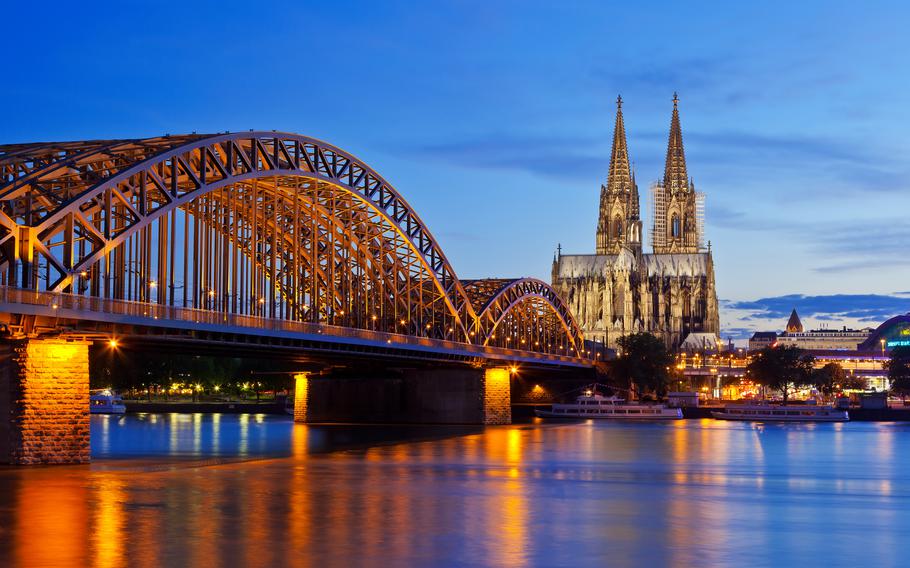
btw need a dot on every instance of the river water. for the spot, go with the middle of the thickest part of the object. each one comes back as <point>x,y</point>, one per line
<point>256,490</point>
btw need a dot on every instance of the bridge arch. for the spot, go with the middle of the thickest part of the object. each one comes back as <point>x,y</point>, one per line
<point>523,313</point>
<point>265,224</point>
<point>102,218</point>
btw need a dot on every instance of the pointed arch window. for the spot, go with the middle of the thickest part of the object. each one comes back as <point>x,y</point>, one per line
<point>617,227</point>
<point>675,229</point>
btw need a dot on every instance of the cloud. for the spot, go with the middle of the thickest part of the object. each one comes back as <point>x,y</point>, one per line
<point>736,332</point>
<point>854,266</point>
<point>860,245</point>
<point>577,158</point>
<point>719,215</point>
<point>863,307</point>
<point>832,165</point>
<point>647,75</point>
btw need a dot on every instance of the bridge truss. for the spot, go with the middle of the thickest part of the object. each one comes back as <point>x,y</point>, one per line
<point>261,224</point>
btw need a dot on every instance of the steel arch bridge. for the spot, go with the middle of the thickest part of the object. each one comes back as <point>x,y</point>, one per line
<point>265,225</point>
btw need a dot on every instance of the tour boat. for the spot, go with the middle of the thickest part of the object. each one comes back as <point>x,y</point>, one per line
<point>106,401</point>
<point>593,405</point>
<point>781,413</point>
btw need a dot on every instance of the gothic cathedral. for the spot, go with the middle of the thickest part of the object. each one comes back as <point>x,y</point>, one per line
<point>621,290</point>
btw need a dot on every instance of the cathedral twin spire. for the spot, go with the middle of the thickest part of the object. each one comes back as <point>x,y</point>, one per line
<point>619,223</point>
<point>675,224</point>
<point>619,178</point>
<point>675,177</point>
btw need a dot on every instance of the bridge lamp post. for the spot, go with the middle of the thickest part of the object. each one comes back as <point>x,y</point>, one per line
<point>83,285</point>
<point>153,288</point>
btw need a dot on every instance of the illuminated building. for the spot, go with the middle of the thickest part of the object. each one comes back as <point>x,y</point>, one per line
<point>862,353</point>
<point>620,290</point>
<point>817,339</point>
<point>893,333</point>
<point>762,339</point>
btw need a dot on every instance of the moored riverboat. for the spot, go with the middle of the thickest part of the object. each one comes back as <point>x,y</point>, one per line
<point>781,413</point>
<point>106,401</point>
<point>593,405</point>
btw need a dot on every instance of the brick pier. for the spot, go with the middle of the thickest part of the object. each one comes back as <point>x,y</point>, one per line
<point>44,402</point>
<point>497,396</point>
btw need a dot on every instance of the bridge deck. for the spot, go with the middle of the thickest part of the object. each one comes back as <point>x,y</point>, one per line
<point>63,309</point>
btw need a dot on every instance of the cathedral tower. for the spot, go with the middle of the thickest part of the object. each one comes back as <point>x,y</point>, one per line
<point>678,225</point>
<point>622,290</point>
<point>619,223</point>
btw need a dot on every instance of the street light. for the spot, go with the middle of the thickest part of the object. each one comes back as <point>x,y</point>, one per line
<point>882,340</point>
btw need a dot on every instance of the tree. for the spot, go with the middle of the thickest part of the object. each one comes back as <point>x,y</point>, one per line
<point>781,368</point>
<point>854,382</point>
<point>829,379</point>
<point>899,370</point>
<point>643,363</point>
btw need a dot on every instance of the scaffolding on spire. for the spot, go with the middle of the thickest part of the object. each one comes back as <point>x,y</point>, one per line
<point>700,220</point>
<point>659,227</point>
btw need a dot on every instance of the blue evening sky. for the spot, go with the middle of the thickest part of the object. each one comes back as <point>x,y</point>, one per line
<point>494,119</point>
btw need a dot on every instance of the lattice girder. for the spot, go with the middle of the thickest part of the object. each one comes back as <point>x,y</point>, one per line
<point>107,192</point>
<point>504,299</point>
<point>259,223</point>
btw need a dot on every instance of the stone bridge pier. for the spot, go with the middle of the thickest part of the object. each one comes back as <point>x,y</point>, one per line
<point>465,395</point>
<point>44,401</point>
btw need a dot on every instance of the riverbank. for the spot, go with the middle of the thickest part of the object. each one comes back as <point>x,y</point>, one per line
<point>697,413</point>
<point>519,411</point>
<point>856,414</point>
<point>242,407</point>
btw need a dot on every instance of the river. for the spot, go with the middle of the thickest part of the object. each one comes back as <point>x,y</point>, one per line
<point>257,490</point>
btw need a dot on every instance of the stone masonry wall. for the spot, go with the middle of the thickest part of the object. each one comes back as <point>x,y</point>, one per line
<point>46,398</point>
<point>301,397</point>
<point>497,396</point>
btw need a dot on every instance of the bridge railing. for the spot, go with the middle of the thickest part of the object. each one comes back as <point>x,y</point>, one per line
<point>57,303</point>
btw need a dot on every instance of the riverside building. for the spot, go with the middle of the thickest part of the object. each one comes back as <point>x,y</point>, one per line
<point>821,339</point>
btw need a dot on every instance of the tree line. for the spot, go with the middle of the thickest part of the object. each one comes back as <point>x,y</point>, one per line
<point>157,373</point>
<point>645,366</point>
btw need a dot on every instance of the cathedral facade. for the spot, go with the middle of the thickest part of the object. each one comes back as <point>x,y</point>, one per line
<point>620,289</point>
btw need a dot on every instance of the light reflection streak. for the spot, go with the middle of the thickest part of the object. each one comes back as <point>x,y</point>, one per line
<point>244,446</point>
<point>197,433</point>
<point>216,433</point>
<point>591,494</point>
<point>108,521</point>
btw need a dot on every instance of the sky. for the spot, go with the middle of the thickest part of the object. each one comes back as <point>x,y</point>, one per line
<point>494,120</point>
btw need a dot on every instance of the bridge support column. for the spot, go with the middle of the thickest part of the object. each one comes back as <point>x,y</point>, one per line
<point>301,396</point>
<point>44,402</point>
<point>496,392</point>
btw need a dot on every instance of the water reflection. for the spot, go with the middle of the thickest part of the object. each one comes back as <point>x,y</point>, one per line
<point>261,491</point>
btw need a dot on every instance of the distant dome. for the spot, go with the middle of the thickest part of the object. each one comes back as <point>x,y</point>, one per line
<point>895,333</point>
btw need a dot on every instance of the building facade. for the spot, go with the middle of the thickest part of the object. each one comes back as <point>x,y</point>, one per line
<point>619,289</point>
